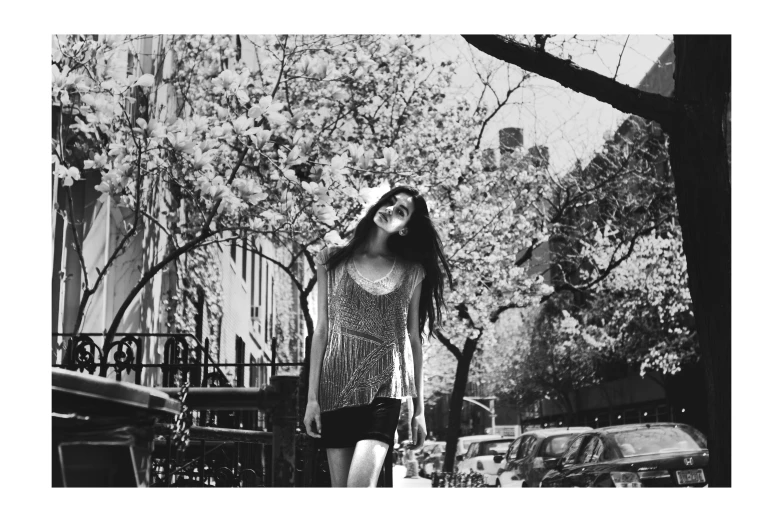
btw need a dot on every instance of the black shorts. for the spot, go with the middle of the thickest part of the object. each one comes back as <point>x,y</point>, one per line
<point>345,427</point>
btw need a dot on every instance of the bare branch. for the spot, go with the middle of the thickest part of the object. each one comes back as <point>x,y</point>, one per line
<point>164,229</point>
<point>619,60</point>
<point>76,241</point>
<point>622,97</point>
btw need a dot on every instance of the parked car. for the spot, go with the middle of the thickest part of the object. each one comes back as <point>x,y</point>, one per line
<point>633,456</point>
<point>431,457</point>
<point>532,455</point>
<point>464,442</point>
<point>481,455</point>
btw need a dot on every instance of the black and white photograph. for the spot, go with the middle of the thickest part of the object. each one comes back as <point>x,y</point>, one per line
<point>348,257</point>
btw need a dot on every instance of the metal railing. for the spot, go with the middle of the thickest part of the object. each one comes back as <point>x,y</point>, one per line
<point>218,454</point>
<point>232,457</point>
<point>182,353</point>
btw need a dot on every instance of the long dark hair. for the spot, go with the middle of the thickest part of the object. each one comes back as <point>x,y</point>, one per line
<point>420,245</point>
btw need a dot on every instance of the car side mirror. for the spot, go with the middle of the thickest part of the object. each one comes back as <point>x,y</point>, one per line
<point>460,458</point>
<point>497,458</point>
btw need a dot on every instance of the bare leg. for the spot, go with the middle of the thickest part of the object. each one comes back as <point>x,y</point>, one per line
<point>339,464</point>
<point>367,463</point>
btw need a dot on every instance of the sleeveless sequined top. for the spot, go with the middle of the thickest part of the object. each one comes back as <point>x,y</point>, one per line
<point>368,353</point>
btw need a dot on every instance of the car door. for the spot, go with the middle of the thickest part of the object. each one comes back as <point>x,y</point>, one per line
<point>469,462</point>
<point>537,467</point>
<point>517,462</point>
<point>600,463</point>
<point>526,461</point>
<point>558,476</point>
<point>581,474</point>
<point>510,464</point>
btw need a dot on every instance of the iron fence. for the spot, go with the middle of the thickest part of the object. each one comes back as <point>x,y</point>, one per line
<point>238,437</point>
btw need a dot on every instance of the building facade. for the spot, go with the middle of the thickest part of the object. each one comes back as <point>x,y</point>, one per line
<point>250,319</point>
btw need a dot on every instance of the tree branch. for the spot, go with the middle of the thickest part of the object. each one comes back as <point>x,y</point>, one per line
<point>194,243</point>
<point>495,315</point>
<point>76,241</point>
<point>620,60</point>
<point>284,268</point>
<point>160,225</point>
<point>448,344</point>
<point>566,73</point>
<point>527,255</point>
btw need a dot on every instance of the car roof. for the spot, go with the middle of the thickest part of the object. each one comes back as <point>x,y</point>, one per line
<point>475,438</point>
<point>546,432</point>
<point>499,439</point>
<point>632,427</point>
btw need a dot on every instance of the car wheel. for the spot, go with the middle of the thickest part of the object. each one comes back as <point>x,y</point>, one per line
<point>524,484</point>
<point>497,484</point>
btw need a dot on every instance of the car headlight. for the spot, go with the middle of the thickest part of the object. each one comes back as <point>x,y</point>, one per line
<point>626,479</point>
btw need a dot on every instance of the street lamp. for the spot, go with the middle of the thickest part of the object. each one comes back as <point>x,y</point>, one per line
<point>490,409</point>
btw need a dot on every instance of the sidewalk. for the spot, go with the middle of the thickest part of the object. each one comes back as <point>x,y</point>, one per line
<point>399,480</point>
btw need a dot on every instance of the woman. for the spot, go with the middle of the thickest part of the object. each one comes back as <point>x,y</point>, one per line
<point>384,283</point>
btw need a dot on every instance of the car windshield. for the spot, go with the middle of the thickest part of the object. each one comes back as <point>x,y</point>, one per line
<point>556,446</point>
<point>494,447</point>
<point>659,439</point>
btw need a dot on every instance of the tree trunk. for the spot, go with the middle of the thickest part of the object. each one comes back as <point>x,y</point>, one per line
<point>455,406</point>
<point>701,165</point>
<point>566,407</point>
<point>698,121</point>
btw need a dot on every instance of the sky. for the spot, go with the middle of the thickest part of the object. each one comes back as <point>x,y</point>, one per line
<point>572,125</point>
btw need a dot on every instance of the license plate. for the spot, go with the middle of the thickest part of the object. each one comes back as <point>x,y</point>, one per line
<point>690,476</point>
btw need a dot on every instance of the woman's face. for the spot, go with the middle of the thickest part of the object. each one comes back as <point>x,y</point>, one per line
<point>394,214</point>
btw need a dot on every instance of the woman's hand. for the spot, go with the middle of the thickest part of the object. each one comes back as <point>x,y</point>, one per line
<point>313,416</point>
<point>418,430</point>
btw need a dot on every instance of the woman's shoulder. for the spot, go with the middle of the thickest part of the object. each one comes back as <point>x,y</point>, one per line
<point>417,270</point>
<point>323,256</point>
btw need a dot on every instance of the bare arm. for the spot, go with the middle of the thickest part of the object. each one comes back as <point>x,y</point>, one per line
<point>313,410</point>
<point>319,336</point>
<point>413,334</point>
<point>419,426</point>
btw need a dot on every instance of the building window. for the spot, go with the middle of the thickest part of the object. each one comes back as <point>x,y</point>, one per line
<point>266,306</point>
<point>272,311</point>
<point>254,374</point>
<point>244,259</point>
<point>240,359</point>
<point>257,302</point>
<point>252,280</point>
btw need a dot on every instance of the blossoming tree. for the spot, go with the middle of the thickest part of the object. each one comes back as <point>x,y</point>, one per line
<point>621,298</point>
<point>207,147</point>
<point>484,215</point>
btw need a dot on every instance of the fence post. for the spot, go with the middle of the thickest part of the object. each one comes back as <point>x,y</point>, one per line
<point>284,420</point>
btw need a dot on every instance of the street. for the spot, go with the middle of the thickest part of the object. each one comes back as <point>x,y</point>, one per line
<point>399,480</point>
